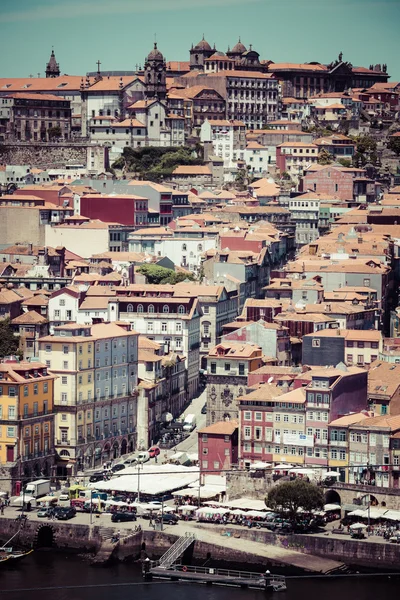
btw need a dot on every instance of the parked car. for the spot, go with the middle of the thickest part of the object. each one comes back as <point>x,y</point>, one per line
<point>96,477</point>
<point>204,409</point>
<point>45,512</point>
<point>63,514</point>
<point>169,518</point>
<point>117,468</point>
<point>132,460</point>
<point>154,451</point>
<point>119,517</point>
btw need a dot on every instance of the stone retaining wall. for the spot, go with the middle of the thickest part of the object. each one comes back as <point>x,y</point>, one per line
<point>47,156</point>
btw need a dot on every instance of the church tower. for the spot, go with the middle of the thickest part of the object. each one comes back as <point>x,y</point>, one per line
<point>52,67</point>
<point>155,74</point>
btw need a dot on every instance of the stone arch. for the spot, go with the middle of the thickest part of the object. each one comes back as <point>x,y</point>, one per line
<point>97,455</point>
<point>45,537</point>
<point>46,468</point>
<point>115,450</point>
<point>124,445</point>
<point>369,498</point>
<point>36,469</point>
<point>88,456</point>
<point>131,446</point>
<point>106,451</point>
<point>332,497</point>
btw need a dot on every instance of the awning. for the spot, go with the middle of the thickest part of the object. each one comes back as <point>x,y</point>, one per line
<point>392,515</point>
<point>357,526</point>
<point>329,507</point>
<point>20,500</point>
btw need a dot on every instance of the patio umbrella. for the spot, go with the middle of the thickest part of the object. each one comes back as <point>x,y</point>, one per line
<point>358,526</point>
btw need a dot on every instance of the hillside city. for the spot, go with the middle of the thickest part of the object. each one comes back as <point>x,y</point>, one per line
<point>202,256</point>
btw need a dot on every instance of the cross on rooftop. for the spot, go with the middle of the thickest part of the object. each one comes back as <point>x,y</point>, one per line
<point>98,66</point>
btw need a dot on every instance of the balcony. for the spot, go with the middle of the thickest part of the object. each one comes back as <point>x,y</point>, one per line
<point>337,444</point>
<point>63,442</point>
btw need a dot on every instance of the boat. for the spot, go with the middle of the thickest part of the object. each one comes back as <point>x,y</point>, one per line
<point>9,553</point>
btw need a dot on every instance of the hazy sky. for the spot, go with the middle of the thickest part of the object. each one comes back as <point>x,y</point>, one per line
<point>121,32</point>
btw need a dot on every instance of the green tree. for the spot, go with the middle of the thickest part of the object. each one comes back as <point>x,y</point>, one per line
<point>366,150</point>
<point>9,343</point>
<point>394,145</point>
<point>54,132</point>
<point>287,497</point>
<point>345,162</point>
<point>160,275</point>
<point>324,157</point>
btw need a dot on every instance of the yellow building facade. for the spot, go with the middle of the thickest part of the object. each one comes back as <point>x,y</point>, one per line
<point>26,420</point>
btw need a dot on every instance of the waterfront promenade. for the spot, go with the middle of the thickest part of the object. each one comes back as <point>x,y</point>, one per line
<point>258,552</point>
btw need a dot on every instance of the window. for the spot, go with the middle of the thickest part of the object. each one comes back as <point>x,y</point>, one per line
<point>247,415</point>
<point>227,366</point>
<point>258,416</point>
<point>181,309</point>
<point>65,349</point>
<point>213,368</point>
<point>241,369</point>
<point>216,464</point>
<point>35,389</point>
<point>316,343</point>
<point>11,412</point>
<point>10,432</point>
<point>12,392</point>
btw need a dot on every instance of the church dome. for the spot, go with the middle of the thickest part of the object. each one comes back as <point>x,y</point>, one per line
<point>239,48</point>
<point>203,45</point>
<point>155,54</point>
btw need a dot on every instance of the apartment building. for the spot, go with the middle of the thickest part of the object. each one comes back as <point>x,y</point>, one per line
<point>331,393</point>
<point>217,307</point>
<point>218,447</point>
<point>168,319</point>
<point>95,392</point>
<point>349,346</point>
<point>27,423</point>
<point>228,367</point>
<point>271,424</point>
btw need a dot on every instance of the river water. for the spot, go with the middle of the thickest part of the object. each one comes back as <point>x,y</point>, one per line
<point>67,577</point>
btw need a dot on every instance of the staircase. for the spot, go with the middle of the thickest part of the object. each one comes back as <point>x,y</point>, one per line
<point>106,533</point>
<point>176,550</point>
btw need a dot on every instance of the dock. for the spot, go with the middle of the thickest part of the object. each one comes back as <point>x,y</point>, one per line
<point>169,567</point>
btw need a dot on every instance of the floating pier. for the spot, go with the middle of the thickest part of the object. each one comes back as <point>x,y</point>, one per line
<point>169,567</point>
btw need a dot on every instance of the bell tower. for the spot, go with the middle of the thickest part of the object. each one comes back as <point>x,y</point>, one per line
<point>52,67</point>
<point>155,75</point>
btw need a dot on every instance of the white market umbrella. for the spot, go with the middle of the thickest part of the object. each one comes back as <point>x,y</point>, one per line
<point>358,526</point>
<point>332,474</point>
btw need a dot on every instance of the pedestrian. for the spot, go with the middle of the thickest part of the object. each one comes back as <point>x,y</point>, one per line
<point>2,508</point>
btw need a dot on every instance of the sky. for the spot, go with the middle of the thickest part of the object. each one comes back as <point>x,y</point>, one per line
<point>120,33</point>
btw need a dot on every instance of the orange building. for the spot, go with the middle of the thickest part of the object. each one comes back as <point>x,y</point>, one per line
<point>26,422</point>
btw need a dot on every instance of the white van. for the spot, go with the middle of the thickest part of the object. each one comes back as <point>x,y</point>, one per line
<point>143,457</point>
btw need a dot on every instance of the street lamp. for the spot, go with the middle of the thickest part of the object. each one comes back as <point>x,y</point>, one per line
<point>162,513</point>
<point>138,488</point>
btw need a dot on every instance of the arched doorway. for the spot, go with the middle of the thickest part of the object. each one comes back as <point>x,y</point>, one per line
<point>115,450</point>
<point>369,499</point>
<point>131,448</point>
<point>332,497</point>
<point>36,469</point>
<point>106,452</point>
<point>124,445</point>
<point>46,469</point>
<point>45,537</point>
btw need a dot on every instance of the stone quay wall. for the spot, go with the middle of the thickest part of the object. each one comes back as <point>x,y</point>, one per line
<point>82,538</point>
<point>44,155</point>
